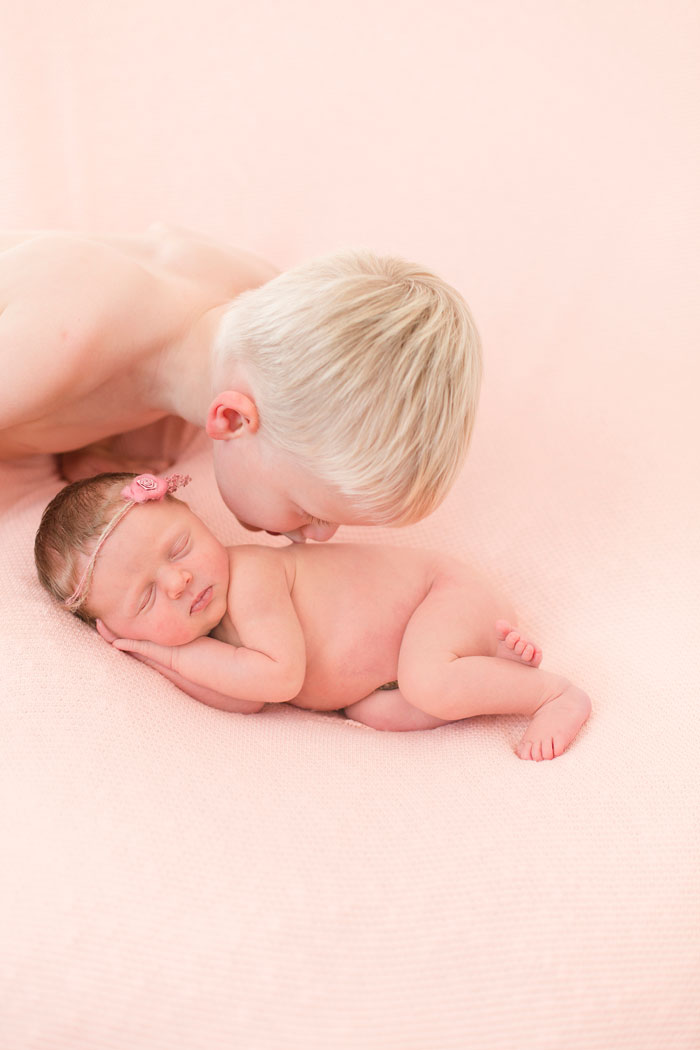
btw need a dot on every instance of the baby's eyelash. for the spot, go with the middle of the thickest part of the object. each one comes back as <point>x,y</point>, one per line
<point>180,547</point>
<point>146,599</point>
<point>317,521</point>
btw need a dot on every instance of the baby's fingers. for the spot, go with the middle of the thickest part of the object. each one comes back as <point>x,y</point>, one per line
<point>150,651</point>
<point>131,645</point>
<point>104,632</point>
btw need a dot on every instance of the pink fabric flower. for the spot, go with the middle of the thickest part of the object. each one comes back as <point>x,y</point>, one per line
<point>145,487</point>
<point>148,486</point>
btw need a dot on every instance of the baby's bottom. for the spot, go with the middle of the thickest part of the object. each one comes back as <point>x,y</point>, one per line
<point>451,666</point>
<point>388,709</point>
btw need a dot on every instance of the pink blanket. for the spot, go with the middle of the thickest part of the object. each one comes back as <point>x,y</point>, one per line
<point>175,878</point>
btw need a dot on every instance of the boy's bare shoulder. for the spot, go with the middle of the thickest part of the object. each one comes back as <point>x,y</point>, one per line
<point>83,316</point>
<point>225,270</point>
<point>63,299</point>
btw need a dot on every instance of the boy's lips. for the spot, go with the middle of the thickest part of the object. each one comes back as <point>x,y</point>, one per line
<point>201,601</point>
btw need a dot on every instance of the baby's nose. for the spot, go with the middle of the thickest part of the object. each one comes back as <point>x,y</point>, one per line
<point>177,580</point>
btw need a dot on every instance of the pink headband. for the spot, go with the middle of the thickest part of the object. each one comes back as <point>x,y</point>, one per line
<point>141,489</point>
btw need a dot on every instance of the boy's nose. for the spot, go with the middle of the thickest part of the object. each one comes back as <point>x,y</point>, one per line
<point>312,531</point>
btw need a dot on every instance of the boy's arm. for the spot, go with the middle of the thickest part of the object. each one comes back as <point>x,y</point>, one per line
<point>270,665</point>
<point>32,366</point>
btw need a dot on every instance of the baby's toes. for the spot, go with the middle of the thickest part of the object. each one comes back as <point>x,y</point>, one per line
<point>525,749</point>
<point>537,750</point>
<point>559,743</point>
<point>503,629</point>
<point>530,749</point>
<point>547,748</point>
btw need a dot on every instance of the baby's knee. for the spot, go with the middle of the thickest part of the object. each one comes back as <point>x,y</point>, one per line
<point>421,689</point>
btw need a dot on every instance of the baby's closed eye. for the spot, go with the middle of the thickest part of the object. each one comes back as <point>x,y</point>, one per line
<point>180,547</point>
<point>146,600</point>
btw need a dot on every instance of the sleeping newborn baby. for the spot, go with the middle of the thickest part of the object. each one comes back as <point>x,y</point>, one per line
<point>399,639</point>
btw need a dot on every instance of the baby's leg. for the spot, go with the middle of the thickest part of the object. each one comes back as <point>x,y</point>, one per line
<point>387,709</point>
<point>449,668</point>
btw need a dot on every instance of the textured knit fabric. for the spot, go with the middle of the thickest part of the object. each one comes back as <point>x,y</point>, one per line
<point>177,878</point>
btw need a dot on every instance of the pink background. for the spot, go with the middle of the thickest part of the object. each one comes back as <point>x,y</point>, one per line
<point>177,878</point>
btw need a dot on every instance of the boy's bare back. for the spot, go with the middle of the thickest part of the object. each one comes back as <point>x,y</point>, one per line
<point>84,322</point>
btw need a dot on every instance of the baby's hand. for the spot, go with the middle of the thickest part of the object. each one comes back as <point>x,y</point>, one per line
<point>104,632</point>
<point>149,652</point>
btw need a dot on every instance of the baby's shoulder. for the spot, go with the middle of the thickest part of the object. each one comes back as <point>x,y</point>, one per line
<point>253,563</point>
<point>256,554</point>
<point>260,583</point>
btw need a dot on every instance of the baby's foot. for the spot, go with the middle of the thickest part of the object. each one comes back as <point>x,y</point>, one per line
<point>555,725</point>
<point>511,646</point>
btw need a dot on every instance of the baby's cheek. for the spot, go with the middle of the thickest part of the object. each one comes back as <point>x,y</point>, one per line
<point>163,630</point>
<point>180,635</point>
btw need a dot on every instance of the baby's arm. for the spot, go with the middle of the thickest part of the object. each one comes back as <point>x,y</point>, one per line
<point>270,664</point>
<point>247,674</point>
<point>197,692</point>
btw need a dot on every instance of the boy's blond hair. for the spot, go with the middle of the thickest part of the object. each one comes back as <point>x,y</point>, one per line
<point>70,528</point>
<point>366,371</point>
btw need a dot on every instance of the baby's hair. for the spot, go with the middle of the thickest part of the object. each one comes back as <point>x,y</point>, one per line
<point>70,529</point>
<point>366,371</point>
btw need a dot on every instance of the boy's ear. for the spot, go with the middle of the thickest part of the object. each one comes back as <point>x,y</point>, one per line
<point>231,414</point>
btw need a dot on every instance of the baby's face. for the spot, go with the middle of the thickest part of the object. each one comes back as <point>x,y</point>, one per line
<point>266,490</point>
<point>161,576</point>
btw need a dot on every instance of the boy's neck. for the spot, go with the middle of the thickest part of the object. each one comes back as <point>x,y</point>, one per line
<point>181,374</point>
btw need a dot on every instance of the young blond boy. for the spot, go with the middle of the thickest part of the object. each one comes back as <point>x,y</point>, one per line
<point>343,391</point>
